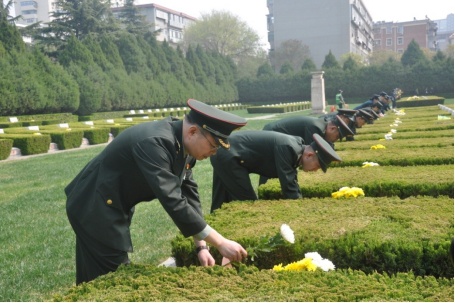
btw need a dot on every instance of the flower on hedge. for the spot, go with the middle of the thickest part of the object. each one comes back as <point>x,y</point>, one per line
<point>37,134</point>
<point>394,125</point>
<point>287,233</point>
<point>311,262</point>
<point>267,244</point>
<point>400,113</point>
<point>324,264</point>
<point>393,131</point>
<point>388,136</point>
<point>348,192</point>
<point>368,164</point>
<point>378,146</point>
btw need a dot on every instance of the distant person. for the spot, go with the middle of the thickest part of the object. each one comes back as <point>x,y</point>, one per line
<point>269,154</point>
<point>151,160</point>
<point>339,99</point>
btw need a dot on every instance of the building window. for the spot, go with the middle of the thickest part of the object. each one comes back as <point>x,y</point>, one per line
<point>400,50</point>
<point>29,3</point>
<point>399,41</point>
<point>388,42</point>
<point>400,29</point>
<point>377,42</point>
<point>29,12</point>
<point>388,30</point>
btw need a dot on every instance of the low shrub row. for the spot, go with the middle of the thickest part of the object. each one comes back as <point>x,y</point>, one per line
<point>5,148</point>
<point>376,181</point>
<point>397,155</point>
<point>419,101</point>
<point>134,283</point>
<point>279,108</point>
<point>382,234</point>
<point>395,144</point>
<point>44,119</point>
<point>29,144</point>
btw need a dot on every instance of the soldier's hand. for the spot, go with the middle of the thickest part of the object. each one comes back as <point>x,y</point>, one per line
<point>232,250</point>
<point>205,258</point>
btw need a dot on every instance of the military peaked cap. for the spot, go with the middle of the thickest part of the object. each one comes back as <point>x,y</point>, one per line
<point>325,152</point>
<point>343,128</point>
<point>366,115</point>
<point>219,123</point>
<point>346,112</point>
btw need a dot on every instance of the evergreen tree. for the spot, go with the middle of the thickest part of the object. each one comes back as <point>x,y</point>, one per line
<point>265,70</point>
<point>308,65</point>
<point>413,54</point>
<point>330,61</point>
<point>76,18</point>
<point>10,37</point>
<point>286,68</point>
<point>134,22</point>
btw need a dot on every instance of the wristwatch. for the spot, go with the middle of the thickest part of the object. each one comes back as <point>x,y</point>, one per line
<point>199,248</point>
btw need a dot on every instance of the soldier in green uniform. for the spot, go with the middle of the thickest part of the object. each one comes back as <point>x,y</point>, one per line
<point>304,127</point>
<point>270,154</point>
<point>148,161</point>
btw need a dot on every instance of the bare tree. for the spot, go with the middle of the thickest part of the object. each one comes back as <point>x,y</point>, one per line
<point>291,51</point>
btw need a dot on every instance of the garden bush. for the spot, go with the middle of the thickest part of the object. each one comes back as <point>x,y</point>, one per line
<point>376,181</point>
<point>5,148</point>
<point>217,284</point>
<point>382,234</point>
<point>29,144</point>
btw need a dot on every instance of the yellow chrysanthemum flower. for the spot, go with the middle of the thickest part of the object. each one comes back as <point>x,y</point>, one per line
<point>378,146</point>
<point>348,192</point>
<point>278,267</point>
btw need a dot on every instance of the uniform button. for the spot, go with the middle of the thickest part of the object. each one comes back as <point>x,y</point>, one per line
<point>241,161</point>
<point>109,201</point>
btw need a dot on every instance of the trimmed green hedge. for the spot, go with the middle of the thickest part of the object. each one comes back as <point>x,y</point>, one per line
<point>376,181</point>
<point>134,283</point>
<point>29,144</point>
<point>395,144</point>
<point>396,155</point>
<point>279,108</point>
<point>65,139</point>
<point>96,135</point>
<point>419,101</point>
<point>5,148</point>
<point>369,234</point>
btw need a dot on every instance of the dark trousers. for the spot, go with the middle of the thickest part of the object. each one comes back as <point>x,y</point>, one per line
<point>231,182</point>
<point>94,259</point>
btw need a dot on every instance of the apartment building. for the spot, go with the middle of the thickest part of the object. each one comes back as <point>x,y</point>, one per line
<point>444,35</point>
<point>339,26</point>
<point>396,36</point>
<point>168,23</point>
<point>32,11</point>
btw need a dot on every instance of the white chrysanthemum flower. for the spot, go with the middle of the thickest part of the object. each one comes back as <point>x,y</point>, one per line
<point>287,233</point>
<point>324,264</point>
<point>394,131</point>
<point>315,256</point>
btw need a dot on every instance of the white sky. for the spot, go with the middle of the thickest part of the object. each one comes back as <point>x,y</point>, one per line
<point>254,12</point>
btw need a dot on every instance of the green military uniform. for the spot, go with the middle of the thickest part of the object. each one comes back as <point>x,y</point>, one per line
<point>102,197</point>
<point>145,162</point>
<point>301,126</point>
<point>270,154</point>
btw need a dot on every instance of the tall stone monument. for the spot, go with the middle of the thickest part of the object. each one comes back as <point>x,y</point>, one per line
<point>317,93</point>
